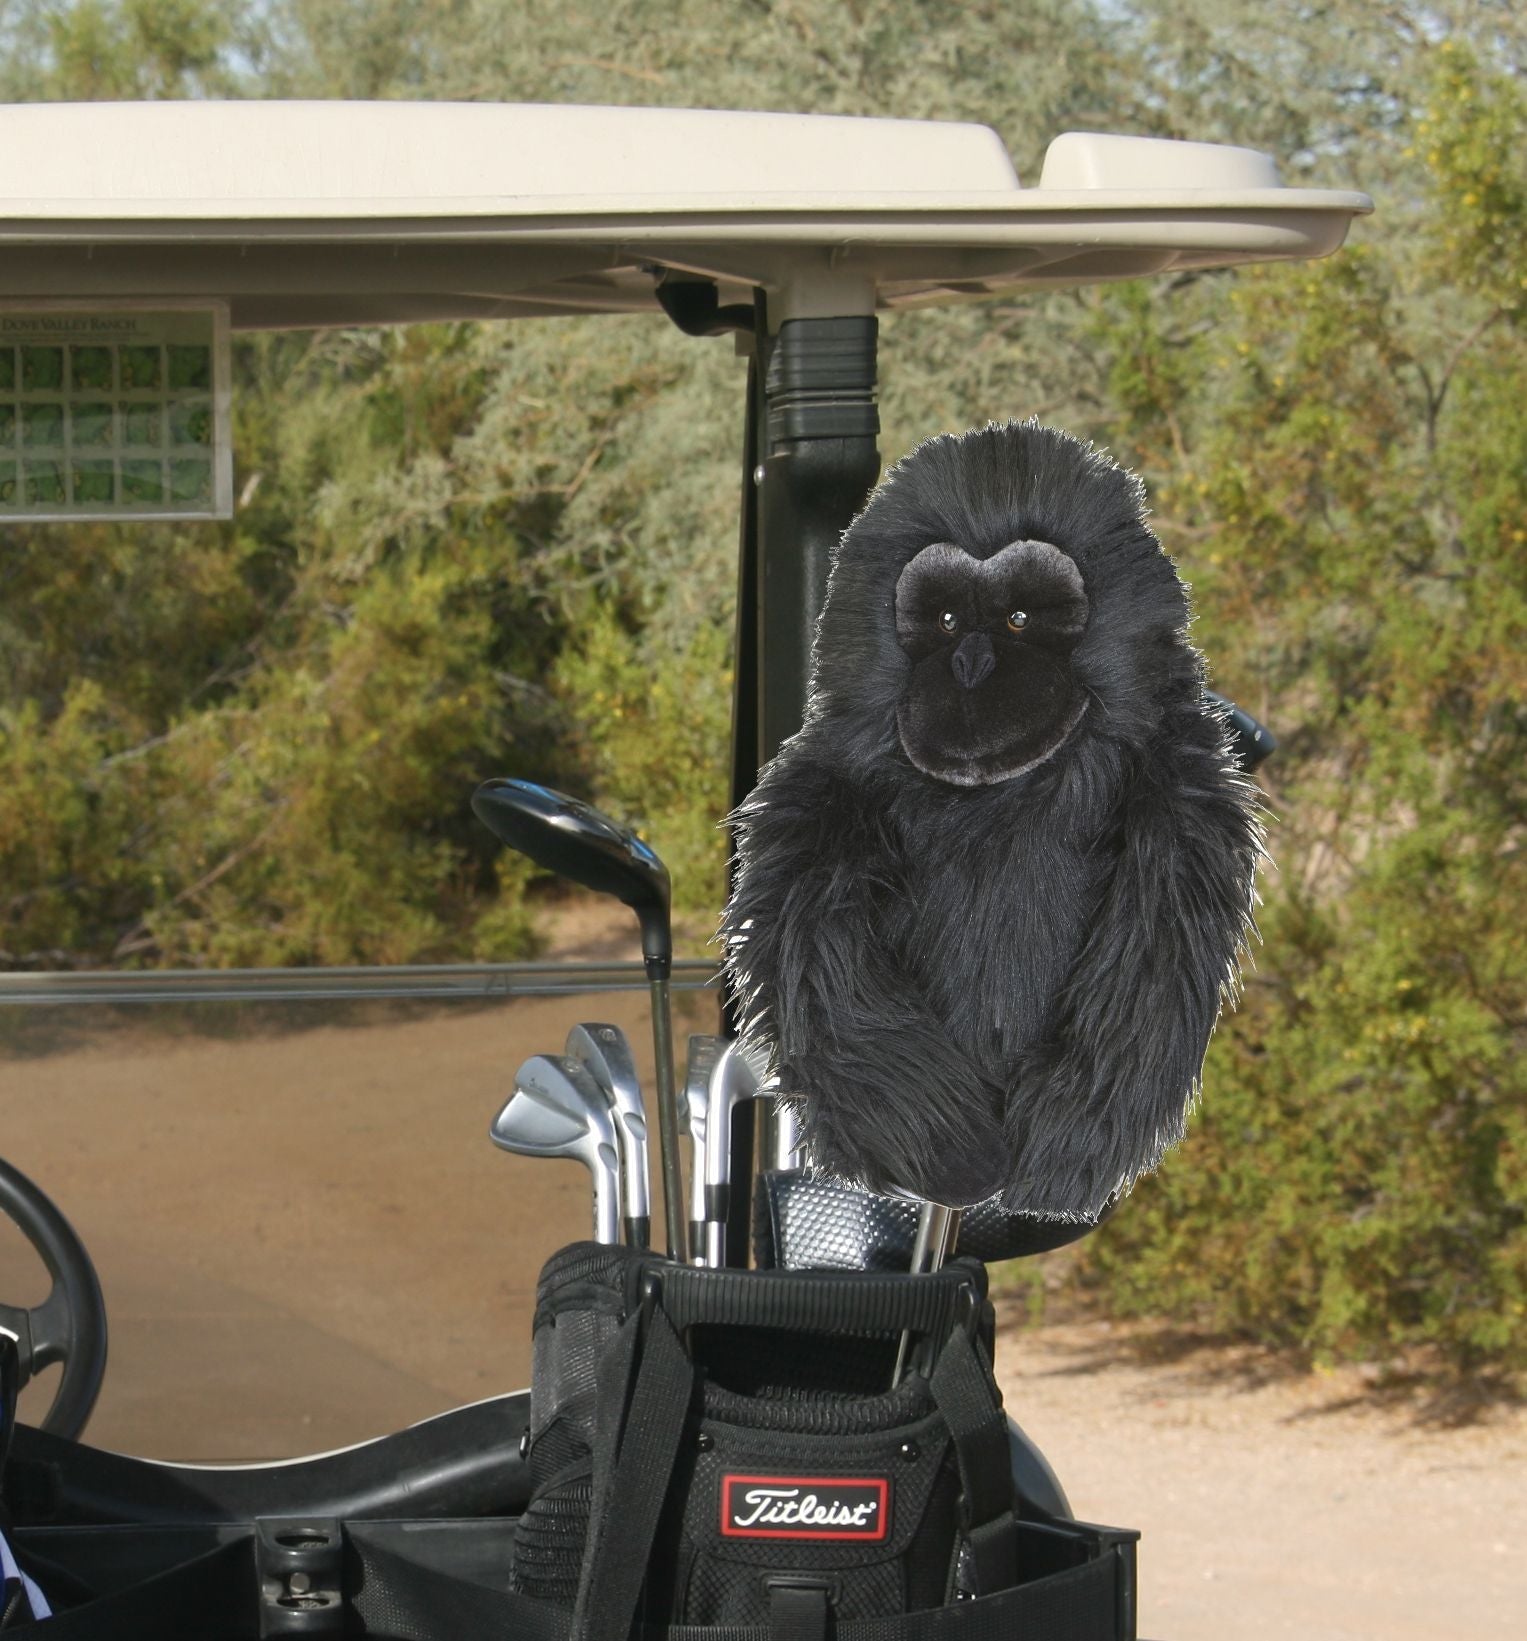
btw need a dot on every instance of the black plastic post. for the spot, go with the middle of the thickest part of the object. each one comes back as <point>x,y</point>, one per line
<point>821,430</point>
<point>745,679</point>
<point>810,457</point>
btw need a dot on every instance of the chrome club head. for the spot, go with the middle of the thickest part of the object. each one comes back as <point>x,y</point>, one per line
<point>605,1053</point>
<point>735,1078</point>
<point>573,839</point>
<point>703,1054</point>
<point>558,1110</point>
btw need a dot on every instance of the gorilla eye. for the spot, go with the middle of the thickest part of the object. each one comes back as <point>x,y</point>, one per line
<point>948,621</point>
<point>1017,620</point>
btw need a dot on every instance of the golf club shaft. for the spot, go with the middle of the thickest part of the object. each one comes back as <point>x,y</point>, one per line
<point>607,1215</point>
<point>713,1254</point>
<point>697,1121</point>
<point>781,1145</point>
<point>674,1202</point>
<point>703,1051</point>
<point>938,1229</point>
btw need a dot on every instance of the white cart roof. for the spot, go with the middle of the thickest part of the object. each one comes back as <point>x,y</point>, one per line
<point>301,214</point>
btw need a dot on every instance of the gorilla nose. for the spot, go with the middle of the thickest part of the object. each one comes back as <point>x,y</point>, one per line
<point>973,659</point>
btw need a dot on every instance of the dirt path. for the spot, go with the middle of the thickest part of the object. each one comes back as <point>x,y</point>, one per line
<point>306,1238</point>
<point>1294,1506</point>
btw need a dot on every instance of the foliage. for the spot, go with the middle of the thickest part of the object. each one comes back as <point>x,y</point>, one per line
<point>1471,135</point>
<point>654,717</point>
<point>92,50</point>
<point>254,743</point>
<point>1340,459</point>
<point>464,550</point>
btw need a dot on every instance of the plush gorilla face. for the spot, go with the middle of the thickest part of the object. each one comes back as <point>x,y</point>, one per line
<point>991,691</point>
<point>1012,520</point>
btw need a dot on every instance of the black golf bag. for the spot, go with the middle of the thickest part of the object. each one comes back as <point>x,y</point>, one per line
<point>723,1451</point>
<point>704,1455</point>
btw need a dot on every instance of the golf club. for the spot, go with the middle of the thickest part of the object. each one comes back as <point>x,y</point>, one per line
<point>703,1053</point>
<point>558,1110</point>
<point>733,1080</point>
<point>604,1052</point>
<point>574,840</point>
<point>938,1228</point>
<point>782,1137</point>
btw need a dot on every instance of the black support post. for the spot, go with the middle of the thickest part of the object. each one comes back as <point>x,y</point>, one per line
<point>810,458</point>
<point>746,692</point>
<point>821,428</point>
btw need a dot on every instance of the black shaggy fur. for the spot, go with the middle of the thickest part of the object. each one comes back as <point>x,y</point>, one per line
<point>1005,987</point>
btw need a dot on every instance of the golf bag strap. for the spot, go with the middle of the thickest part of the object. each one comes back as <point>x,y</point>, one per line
<point>967,1397</point>
<point>403,1600</point>
<point>632,1470</point>
<point>798,1611</point>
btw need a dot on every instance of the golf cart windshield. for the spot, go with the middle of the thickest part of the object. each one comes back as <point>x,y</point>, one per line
<point>788,233</point>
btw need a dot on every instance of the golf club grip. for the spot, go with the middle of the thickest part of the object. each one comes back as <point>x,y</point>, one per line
<point>869,1304</point>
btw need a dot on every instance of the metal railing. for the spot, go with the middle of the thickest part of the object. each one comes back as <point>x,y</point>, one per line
<point>413,981</point>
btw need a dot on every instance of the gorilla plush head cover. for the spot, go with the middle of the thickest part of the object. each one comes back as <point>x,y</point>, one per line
<point>979,495</point>
<point>991,895</point>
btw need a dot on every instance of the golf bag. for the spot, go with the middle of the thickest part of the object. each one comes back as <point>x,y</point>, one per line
<point>705,1455</point>
<point>721,1448</point>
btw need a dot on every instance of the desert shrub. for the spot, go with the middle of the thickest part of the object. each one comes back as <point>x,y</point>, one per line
<point>1355,1182</point>
<point>653,720</point>
<point>1340,463</point>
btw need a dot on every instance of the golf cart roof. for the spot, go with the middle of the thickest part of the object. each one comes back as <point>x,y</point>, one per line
<point>307,214</point>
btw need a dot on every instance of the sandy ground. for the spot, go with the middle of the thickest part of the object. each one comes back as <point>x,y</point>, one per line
<point>306,1238</point>
<point>1276,1504</point>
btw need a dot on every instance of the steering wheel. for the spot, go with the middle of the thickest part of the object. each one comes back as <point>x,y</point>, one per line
<point>69,1326</point>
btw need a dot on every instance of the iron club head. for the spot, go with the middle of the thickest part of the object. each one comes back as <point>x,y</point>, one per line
<point>735,1078</point>
<point>703,1054</point>
<point>605,1053</point>
<point>558,1110</point>
<point>572,838</point>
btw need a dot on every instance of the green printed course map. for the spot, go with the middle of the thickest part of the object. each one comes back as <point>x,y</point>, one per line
<point>112,414</point>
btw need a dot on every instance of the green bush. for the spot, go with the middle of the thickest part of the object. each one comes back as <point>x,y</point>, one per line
<point>1341,462</point>
<point>1355,1182</point>
<point>653,722</point>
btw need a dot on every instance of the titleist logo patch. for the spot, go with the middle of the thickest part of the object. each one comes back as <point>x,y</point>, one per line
<point>819,1507</point>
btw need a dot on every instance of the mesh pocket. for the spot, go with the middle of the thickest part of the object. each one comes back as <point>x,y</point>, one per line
<point>549,1540</point>
<point>565,1366</point>
<point>858,1492</point>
